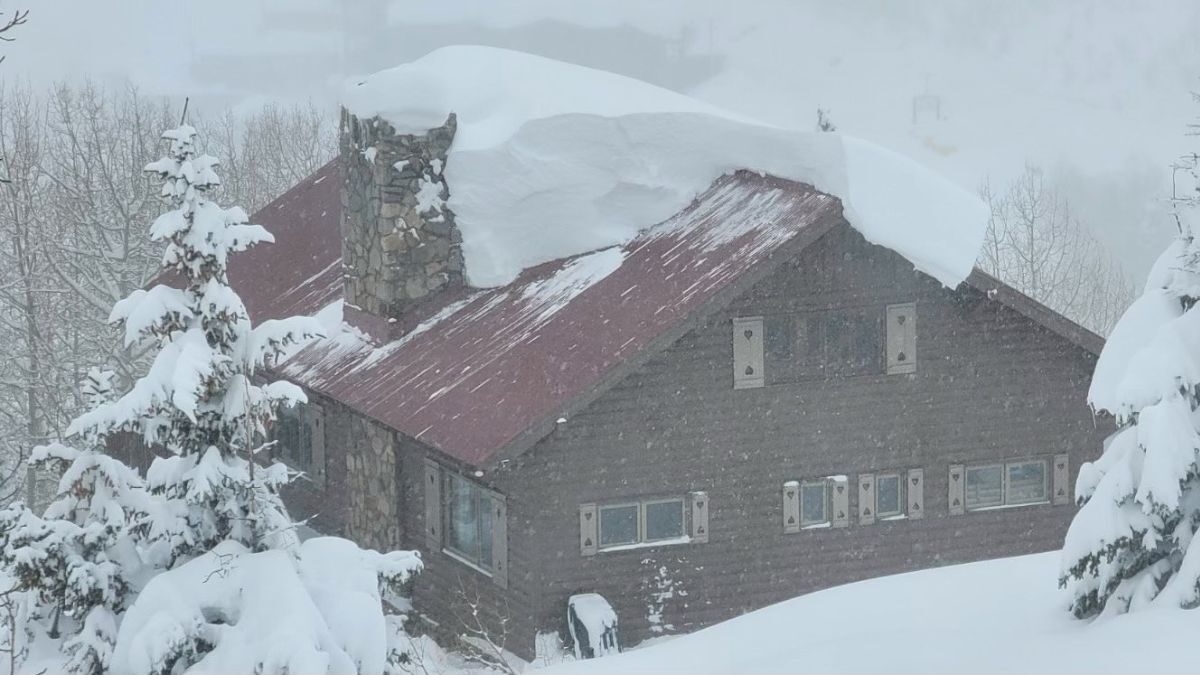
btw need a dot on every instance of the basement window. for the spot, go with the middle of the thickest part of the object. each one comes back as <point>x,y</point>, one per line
<point>1008,484</point>
<point>645,522</point>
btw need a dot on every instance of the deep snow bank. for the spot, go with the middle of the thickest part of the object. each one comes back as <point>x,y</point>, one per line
<point>553,159</point>
<point>998,616</point>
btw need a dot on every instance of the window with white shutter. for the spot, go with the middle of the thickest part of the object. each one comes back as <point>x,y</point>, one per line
<point>791,506</point>
<point>748,352</point>
<point>700,509</point>
<point>433,505</point>
<point>902,339</point>
<point>956,493</point>
<point>866,498</point>
<point>1062,477</point>
<point>589,530</point>
<point>840,501</point>
<point>915,490</point>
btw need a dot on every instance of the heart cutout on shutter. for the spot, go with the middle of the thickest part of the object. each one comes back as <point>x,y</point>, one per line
<point>700,530</point>
<point>587,515</point>
<point>866,486</point>
<point>699,505</point>
<point>914,480</point>
<point>841,489</point>
<point>954,477</point>
<point>916,506</point>
<point>749,370</point>
<point>900,319</point>
<point>748,333</point>
<point>791,495</point>
<point>1061,466</point>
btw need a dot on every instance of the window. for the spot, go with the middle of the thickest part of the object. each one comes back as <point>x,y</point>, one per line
<point>468,520</point>
<point>1025,482</point>
<point>299,436</point>
<point>888,501</point>
<point>814,503</point>
<point>647,522</point>
<point>1010,484</point>
<point>823,344</point>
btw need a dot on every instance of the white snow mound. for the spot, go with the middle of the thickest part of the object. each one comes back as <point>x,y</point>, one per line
<point>553,159</point>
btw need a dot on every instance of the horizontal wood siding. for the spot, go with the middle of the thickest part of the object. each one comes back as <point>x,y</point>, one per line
<point>990,385</point>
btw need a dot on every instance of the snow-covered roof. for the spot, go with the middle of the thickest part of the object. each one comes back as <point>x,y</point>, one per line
<point>553,159</point>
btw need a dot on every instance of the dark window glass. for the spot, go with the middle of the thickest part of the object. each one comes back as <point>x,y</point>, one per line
<point>664,520</point>
<point>823,344</point>
<point>887,495</point>
<point>618,525</point>
<point>468,516</point>
<point>292,434</point>
<point>814,502</point>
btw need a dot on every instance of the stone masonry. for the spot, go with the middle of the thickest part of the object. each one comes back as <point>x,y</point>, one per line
<point>372,478</point>
<point>400,243</point>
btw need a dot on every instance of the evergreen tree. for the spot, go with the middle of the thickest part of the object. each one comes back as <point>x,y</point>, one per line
<point>108,530</point>
<point>1133,543</point>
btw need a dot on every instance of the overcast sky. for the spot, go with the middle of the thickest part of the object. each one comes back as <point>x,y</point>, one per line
<point>1096,91</point>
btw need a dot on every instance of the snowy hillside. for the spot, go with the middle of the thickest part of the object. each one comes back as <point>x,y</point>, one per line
<point>998,616</point>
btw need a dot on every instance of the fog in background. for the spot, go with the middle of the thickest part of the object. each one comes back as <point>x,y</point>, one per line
<point>1097,93</point>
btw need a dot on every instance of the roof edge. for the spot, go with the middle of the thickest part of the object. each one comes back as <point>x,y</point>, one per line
<point>1035,311</point>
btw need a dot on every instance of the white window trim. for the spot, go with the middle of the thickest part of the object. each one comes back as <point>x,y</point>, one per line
<point>880,514</point>
<point>1004,501</point>
<point>642,542</point>
<point>824,483</point>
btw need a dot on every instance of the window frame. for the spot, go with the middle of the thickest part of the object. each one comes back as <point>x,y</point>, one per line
<point>789,356</point>
<point>684,537</point>
<point>1005,467</point>
<point>483,501</point>
<point>307,415</point>
<point>880,514</point>
<point>827,521</point>
<point>1045,497</point>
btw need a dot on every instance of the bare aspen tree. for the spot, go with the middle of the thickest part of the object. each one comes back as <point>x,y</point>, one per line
<point>1035,244</point>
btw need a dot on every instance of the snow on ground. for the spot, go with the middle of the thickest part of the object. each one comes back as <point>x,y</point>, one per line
<point>553,159</point>
<point>998,616</point>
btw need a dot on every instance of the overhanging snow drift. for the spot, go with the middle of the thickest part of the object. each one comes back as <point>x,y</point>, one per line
<point>552,159</point>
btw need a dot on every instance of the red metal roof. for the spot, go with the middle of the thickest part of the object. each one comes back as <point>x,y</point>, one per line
<point>482,367</point>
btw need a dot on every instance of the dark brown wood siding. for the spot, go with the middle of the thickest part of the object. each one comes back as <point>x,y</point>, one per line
<point>990,385</point>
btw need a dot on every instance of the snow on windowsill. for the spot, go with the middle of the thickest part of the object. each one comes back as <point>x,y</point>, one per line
<point>648,544</point>
<point>817,526</point>
<point>468,563</point>
<point>1003,507</point>
<point>898,516</point>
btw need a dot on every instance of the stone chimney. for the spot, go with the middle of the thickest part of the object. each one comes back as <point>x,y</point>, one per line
<point>399,240</point>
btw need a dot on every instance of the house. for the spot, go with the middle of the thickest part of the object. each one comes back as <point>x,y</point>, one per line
<point>743,403</point>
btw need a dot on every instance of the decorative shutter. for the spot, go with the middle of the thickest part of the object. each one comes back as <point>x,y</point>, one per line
<point>433,505</point>
<point>901,339</point>
<point>915,491</point>
<point>841,501</point>
<point>499,539</point>
<point>748,352</point>
<point>316,427</point>
<point>791,506</point>
<point>1062,473</point>
<point>955,497</point>
<point>700,506</point>
<point>588,529</point>
<point>866,498</point>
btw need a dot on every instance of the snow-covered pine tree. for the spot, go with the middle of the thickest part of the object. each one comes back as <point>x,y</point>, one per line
<point>198,399</point>
<point>1133,543</point>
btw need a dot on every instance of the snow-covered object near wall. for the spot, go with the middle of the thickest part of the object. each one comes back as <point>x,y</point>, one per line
<point>552,159</point>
